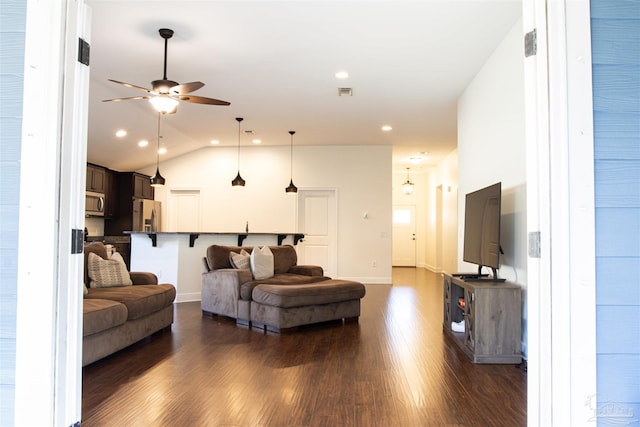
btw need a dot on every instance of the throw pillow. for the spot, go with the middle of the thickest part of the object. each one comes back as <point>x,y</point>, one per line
<point>261,263</point>
<point>240,260</point>
<point>107,273</point>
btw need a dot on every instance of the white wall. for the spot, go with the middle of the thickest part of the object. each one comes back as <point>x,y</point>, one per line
<point>491,148</point>
<point>361,174</point>
<point>441,246</point>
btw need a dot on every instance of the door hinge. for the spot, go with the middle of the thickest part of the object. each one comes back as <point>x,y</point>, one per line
<point>83,52</point>
<point>530,43</point>
<point>77,241</point>
<point>534,244</point>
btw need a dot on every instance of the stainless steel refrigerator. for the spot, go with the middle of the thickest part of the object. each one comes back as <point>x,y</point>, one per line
<point>146,215</point>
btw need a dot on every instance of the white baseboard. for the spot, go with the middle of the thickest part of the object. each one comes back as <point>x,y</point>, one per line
<point>188,297</point>
<point>369,280</point>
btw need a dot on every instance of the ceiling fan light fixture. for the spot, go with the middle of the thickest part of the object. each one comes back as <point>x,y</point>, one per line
<point>163,104</point>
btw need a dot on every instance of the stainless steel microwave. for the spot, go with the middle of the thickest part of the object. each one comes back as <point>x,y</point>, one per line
<point>94,204</point>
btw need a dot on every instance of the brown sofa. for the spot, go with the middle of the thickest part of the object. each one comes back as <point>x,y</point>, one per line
<point>116,317</point>
<point>295,295</point>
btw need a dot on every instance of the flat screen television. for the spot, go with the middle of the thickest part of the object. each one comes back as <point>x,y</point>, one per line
<point>482,230</point>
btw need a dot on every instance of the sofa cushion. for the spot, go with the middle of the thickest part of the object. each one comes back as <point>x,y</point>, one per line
<point>261,263</point>
<point>140,300</point>
<point>240,261</point>
<point>100,314</point>
<point>97,248</point>
<point>106,273</point>
<point>246,289</point>
<point>326,292</point>
<point>284,256</point>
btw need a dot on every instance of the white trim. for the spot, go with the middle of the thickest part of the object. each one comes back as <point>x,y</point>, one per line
<point>40,157</point>
<point>561,292</point>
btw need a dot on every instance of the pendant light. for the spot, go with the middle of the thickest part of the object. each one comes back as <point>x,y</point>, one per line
<point>238,181</point>
<point>407,187</point>
<point>291,188</point>
<point>157,180</point>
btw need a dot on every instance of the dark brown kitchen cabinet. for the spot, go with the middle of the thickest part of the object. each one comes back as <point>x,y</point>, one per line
<point>142,188</point>
<point>110,194</point>
<point>96,177</point>
<point>129,186</point>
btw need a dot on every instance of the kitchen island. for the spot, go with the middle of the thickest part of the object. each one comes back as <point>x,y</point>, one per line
<point>176,257</point>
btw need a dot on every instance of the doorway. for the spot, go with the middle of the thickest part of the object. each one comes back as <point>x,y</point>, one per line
<point>183,210</point>
<point>318,220</point>
<point>404,236</point>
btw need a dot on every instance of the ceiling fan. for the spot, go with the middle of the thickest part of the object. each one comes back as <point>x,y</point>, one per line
<point>165,94</point>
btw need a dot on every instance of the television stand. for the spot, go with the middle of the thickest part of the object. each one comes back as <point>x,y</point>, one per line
<point>479,276</point>
<point>491,313</point>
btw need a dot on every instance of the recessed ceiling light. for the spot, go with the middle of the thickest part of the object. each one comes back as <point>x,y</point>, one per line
<point>342,75</point>
<point>143,143</point>
<point>162,150</point>
<point>121,133</point>
<point>386,128</point>
<point>215,142</point>
<point>418,158</point>
<point>257,141</point>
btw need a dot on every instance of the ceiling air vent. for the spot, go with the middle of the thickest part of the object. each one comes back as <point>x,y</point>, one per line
<point>345,91</point>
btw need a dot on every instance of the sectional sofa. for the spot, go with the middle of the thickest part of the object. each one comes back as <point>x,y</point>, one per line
<point>115,317</point>
<point>291,295</point>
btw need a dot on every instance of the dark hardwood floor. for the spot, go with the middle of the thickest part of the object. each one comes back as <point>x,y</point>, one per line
<point>394,367</point>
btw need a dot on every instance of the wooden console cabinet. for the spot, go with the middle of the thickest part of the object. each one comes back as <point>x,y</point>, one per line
<point>492,316</point>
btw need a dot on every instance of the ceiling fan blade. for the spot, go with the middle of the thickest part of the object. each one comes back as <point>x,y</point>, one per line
<point>201,100</point>
<point>185,88</point>
<point>126,99</point>
<point>131,85</point>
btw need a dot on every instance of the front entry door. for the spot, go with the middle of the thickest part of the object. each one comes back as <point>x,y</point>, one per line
<point>404,236</point>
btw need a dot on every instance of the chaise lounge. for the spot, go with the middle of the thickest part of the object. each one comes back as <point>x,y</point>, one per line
<point>292,295</point>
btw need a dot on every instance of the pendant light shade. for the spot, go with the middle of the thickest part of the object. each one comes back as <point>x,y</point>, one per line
<point>407,187</point>
<point>238,181</point>
<point>158,180</point>
<point>291,188</point>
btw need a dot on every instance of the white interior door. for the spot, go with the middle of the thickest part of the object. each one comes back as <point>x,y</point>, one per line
<point>318,220</point>
<point>404,236</point>
<point>183,211</point>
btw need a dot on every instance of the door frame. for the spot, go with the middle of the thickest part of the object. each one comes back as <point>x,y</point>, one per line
<point>565,24</point>
<point>560,208</point>
<point>48,373</point>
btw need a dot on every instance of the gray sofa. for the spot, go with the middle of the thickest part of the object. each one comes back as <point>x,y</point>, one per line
<point>295,295</point>
<point>116,317</point>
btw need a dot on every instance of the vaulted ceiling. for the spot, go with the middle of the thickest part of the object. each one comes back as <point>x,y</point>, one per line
<point>275,62</point>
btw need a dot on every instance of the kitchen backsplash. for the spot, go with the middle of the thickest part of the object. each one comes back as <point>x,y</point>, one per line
<point>95,226</point>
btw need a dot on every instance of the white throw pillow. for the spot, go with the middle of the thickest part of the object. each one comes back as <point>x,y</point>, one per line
<point>107,273</point>
<point>240,260</point>
<point>261,263</point>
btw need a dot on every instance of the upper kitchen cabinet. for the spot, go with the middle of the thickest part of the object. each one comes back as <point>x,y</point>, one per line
<point>96,178</point>
<point>142,188</point>
<point>110,194</point>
